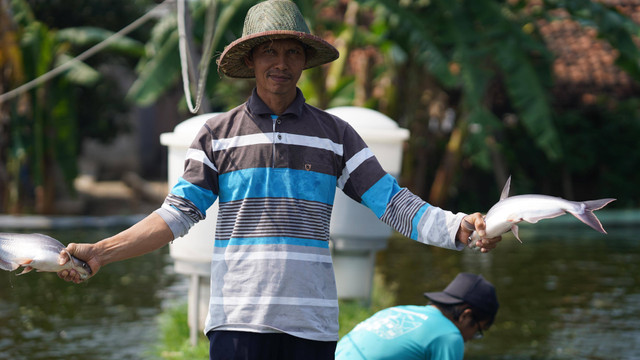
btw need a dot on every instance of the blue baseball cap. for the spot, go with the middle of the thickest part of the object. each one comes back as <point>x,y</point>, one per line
<point>471,289</point>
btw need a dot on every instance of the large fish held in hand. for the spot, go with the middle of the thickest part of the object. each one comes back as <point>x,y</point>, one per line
<point>510,210</point>
<point>36,251</point>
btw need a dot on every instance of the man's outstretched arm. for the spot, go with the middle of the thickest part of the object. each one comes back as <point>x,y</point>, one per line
<point>150,234</point>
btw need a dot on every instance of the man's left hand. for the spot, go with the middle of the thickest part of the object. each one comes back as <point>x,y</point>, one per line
<point>475,222</point>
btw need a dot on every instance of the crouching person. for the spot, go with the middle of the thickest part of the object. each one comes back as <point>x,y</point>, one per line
<point>462,312</point>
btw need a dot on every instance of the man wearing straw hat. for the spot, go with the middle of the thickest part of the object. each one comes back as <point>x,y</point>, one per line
<point>273,163</point>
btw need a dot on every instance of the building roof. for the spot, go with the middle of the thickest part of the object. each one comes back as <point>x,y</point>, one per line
<point>584,66</point>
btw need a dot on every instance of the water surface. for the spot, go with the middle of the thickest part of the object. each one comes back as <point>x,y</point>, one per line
<point>112,316</point>
<point>565,293</point>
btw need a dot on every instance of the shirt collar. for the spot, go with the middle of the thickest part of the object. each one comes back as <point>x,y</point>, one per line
<point>258,107</point>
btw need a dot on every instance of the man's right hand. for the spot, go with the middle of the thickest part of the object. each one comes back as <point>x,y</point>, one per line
<point>85,252</point>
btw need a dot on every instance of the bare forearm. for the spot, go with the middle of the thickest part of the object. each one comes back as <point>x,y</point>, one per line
<point>150,234</point>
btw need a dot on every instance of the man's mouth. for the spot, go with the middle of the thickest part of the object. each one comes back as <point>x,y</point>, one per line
<point>279,77</point>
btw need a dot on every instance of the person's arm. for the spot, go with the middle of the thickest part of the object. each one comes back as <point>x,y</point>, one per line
<point>150,234</point>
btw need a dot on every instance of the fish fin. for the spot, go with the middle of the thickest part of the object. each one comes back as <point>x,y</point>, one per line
<point>26,270</point>
<point>588,217</point>
<point>535,219</point>
<point>514,230</point>
<point>8,266</point>
<point>593,205</point>
<point>505,189</point>
<point>514,218</point>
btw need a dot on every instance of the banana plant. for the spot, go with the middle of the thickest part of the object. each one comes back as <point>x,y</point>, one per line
<point>474,51</point>
<point>40,155</point>
<point>159,69</point>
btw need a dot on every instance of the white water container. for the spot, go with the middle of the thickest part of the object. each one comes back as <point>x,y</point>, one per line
<point>356,233</point>
<point>192,252</point>
<point>196,247</point>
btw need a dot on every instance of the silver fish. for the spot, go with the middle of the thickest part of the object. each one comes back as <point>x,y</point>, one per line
<point>36,251</point>
<point>510,210</point>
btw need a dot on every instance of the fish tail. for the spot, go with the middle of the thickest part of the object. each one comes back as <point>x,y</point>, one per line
<point>596,204</point>
<point>588,217</point>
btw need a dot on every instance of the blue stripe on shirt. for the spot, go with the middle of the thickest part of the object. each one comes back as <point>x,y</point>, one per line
<point>416,221</point>
<point>202,198</point>
<point>271,241</point>
<point>380,194</point>
<point>278,182</point>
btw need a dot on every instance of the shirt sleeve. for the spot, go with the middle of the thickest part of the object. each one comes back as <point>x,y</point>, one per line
<point>364,180</point>
<point>195,191</point>
<point>179,222</point>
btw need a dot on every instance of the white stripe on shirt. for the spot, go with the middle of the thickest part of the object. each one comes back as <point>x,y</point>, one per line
<point>270,255</point>
<point>200,156</point>
<point>285,138</point>
<point>352,164</point>
<point>269,300</point>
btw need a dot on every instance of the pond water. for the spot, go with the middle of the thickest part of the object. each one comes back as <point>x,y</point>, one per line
<point>112,316</point>
<point>565,293</point>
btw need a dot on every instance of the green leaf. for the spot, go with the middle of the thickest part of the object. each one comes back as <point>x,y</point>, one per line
<point>79,73</point>
<point>158,74</point>
<point>88,36</point>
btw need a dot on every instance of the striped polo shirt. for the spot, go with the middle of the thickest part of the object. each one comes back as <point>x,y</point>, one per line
<point>275,178</point>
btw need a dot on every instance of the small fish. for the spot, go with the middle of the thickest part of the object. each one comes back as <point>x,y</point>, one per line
<point>510,210</point>
<point>36,251</point>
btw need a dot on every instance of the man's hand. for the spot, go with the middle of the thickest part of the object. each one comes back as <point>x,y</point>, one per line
<point>85,252</point>
<point>475,222</point>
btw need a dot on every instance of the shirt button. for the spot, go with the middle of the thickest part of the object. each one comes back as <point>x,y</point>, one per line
<point>279,121</point>
<point>279,137</point>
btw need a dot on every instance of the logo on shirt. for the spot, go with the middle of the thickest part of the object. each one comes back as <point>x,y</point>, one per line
<point>392,324</point>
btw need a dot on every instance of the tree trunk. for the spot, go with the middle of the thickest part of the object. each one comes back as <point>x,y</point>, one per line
<point>450,164</point>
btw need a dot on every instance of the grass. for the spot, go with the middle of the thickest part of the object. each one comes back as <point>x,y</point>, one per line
<point>174,329</point>
<point>174,336</point>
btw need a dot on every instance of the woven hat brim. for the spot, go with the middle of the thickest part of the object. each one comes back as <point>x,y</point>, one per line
<point>232,64</point>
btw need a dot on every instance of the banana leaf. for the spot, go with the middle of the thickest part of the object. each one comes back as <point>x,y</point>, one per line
<point>88,36</point>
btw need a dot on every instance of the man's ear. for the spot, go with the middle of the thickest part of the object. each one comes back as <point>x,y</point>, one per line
<point>248,61</point>
<point>467,313</point>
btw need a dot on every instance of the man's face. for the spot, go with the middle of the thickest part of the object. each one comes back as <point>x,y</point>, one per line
<point>469,327</point>
<point>278,65</point>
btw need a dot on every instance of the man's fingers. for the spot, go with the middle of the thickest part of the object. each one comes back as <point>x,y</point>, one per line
<point>487,245</point>
<point>467,225</point>
<point>65,254</point>
<point>70,275</point>
<point>474,222</point>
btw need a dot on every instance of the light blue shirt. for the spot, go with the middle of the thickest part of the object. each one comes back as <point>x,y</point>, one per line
<point>403,332</point>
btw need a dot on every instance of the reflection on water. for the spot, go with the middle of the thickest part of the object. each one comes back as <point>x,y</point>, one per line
<point>564,294</point>
<point>112,316</point>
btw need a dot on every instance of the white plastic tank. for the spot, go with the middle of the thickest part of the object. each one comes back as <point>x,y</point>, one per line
<point>197,245</point>
<point>192,252</point>
<point>356,233</point>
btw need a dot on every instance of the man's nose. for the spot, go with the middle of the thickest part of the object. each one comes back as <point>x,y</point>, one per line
<point>281,61</point>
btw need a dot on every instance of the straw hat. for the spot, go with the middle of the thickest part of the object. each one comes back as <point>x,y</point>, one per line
<point>272,20</point>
